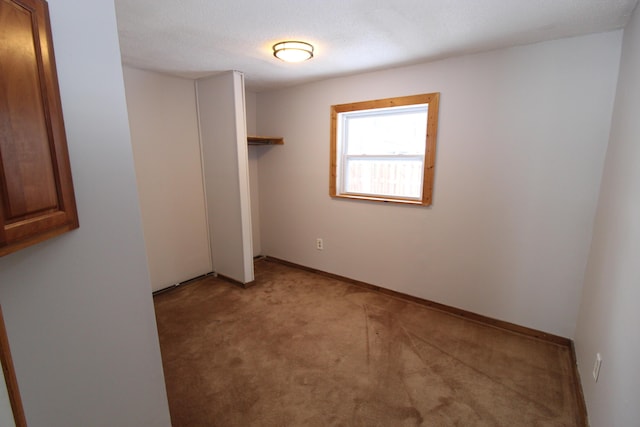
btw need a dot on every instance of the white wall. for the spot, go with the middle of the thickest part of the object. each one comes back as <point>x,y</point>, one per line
<point>254,185</point>
<point>250,112</point>
<point>254,156</point>
<point>78,308</point>
<point>521,144</point>
<point>166,148</point>
<point>609,314</point>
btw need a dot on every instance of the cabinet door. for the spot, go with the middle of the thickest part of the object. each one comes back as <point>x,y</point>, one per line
<point>36,191</point>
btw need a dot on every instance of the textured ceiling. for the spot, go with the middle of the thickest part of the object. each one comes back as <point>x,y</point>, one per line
<point>195,38</point>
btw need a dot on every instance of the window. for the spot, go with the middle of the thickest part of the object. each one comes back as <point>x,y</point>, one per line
<point>385,149</point>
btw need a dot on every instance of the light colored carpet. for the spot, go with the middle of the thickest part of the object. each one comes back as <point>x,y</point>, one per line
<point>300,349</point>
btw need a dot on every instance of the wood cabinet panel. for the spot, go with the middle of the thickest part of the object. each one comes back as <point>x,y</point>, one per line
<point>35,176</point>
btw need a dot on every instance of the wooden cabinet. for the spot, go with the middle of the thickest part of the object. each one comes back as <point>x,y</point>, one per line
<point>36,190</point>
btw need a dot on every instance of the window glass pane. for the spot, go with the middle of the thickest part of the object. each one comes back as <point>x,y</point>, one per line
<point>388,131</point>
<point>388,177</point>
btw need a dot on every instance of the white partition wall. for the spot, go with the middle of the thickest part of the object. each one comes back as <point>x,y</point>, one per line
<point>609,315</point>
<point>223,136</point>
<point>78,308</point>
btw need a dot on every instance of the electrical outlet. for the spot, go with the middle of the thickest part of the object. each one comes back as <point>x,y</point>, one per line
<point>596,367</point>
<point>319,244</point>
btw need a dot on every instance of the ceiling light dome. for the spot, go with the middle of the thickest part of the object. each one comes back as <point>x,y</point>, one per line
<point>293,51</point>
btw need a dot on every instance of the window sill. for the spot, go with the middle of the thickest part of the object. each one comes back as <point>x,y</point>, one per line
<point>382,199</point>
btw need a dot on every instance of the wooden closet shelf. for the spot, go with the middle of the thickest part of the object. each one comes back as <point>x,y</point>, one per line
<point>265,140</point>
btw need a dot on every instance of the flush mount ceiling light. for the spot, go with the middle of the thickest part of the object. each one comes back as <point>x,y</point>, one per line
<point>292,51</point>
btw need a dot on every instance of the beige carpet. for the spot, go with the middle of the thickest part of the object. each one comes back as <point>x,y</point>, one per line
<point>300,349</point>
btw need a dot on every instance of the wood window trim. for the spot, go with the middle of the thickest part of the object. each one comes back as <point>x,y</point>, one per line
<point>433,100</point>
